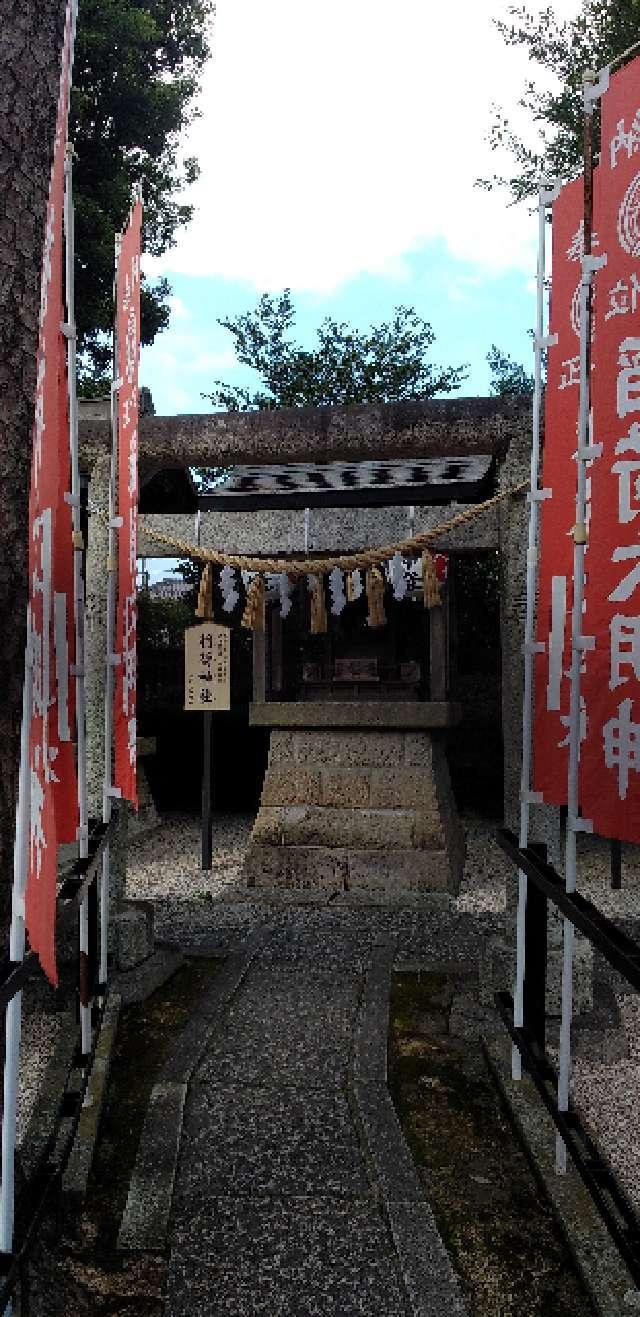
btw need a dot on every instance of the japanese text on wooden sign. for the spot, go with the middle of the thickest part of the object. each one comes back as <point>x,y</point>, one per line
<point>207,678</point>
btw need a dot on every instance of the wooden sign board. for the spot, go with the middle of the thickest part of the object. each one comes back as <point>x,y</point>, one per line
<point>207,678</point>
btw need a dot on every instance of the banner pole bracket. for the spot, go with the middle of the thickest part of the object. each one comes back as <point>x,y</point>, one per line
<point>593,87</point>
<point>591,265</point>
<point>576,823</point>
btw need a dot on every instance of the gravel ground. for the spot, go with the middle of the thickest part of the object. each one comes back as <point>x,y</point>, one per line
<point>40,1030</point>
<point>165,867</point>
<point>187,908</point>
<point>194,909</point>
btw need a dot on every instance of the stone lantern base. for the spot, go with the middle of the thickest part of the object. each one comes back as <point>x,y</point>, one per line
<point>364,813</point>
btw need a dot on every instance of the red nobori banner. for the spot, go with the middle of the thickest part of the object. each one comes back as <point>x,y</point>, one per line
<point>53,789</point>
<point>558,509</point>
<point>128,341</point>
<point>610,750</point>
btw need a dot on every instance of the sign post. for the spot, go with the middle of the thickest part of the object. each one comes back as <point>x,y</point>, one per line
<point>207,792</point>
<point>207,689</point>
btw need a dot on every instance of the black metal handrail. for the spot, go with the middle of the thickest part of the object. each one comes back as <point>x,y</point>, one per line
<point>623,954</point>
<point>15,973</point>
<point>619,949</point>
<point>80,883</point>
<point>612,1202</point>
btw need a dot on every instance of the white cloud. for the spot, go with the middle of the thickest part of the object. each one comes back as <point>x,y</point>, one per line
<point>224,360</point>
<point>178,309</point>
<point>182,354</point>
<point>337,138</point>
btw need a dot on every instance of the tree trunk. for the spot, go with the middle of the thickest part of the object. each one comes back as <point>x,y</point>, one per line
<point>30,49</point>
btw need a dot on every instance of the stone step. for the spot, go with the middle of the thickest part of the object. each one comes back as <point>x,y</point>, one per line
<point>356,811</point>
<point>333,870</point>
<point>343,748</point>
<point>373,829</point>
<point>358,788</point>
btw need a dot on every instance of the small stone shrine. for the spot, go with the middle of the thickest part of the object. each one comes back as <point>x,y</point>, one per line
<point>357,802</point>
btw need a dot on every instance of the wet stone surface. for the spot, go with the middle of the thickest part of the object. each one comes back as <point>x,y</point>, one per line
<point>496,1224</point>
<point>279,1207</point>
<point>285,1259</point>
<point>285,1028</point>
<point>269,1142</point>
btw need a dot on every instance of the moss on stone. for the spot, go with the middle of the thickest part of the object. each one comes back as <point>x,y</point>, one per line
<point>500,1233</point>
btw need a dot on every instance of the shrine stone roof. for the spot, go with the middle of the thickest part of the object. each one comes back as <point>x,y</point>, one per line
<point>431,427</point>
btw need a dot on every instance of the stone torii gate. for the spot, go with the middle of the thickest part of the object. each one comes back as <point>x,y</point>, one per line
<point>452,427</point>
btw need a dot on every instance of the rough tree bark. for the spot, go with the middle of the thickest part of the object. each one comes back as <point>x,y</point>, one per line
<point>30,45</point>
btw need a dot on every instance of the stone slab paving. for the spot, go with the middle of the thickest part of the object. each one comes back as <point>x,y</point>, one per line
<point>279,1207</point>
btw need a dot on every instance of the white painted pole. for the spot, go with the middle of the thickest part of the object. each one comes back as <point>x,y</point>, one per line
<point>579,643</point>
<point>13,1018</point>
<point>78,577</point>
<point>546,196</point>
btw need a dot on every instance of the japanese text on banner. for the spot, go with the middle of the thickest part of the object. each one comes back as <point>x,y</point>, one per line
<point>128,340</point>
<point>53,789</point>
<point>557,512</point>
<point>610,754</point>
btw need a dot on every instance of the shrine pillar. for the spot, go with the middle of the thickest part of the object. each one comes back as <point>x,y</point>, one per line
<point>131,925</point>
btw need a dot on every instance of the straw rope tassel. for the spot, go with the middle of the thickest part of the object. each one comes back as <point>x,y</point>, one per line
<point>430,585</point>
<point>318,607</point>
<point>347,562</point>
<point>204,607</point>
<point>254,611</point>
<point>348,587</point>
<point>375,598</point>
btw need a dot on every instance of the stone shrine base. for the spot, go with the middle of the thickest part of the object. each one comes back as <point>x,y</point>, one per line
<point>368,814</point>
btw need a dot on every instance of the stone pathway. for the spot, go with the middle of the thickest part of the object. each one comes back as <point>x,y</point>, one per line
<point>295,1194</point>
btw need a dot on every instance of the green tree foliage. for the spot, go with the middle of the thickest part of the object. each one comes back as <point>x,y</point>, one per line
<point>507,377</point>
<point>387,363</point>
<point>161,622</point>
<point>601,31</point>
<point>136,76</point>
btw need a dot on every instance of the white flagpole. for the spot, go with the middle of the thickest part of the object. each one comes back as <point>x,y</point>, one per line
<point>579,643</point>
<point>78,586</point>
<point>546,196</point>
<point>13,1018</point>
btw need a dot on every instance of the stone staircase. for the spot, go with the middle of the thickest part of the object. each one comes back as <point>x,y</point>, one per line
<point>364,814</point>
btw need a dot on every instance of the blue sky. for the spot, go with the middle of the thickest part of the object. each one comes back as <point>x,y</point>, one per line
<point>467,310</point>
<point>339,147</point>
